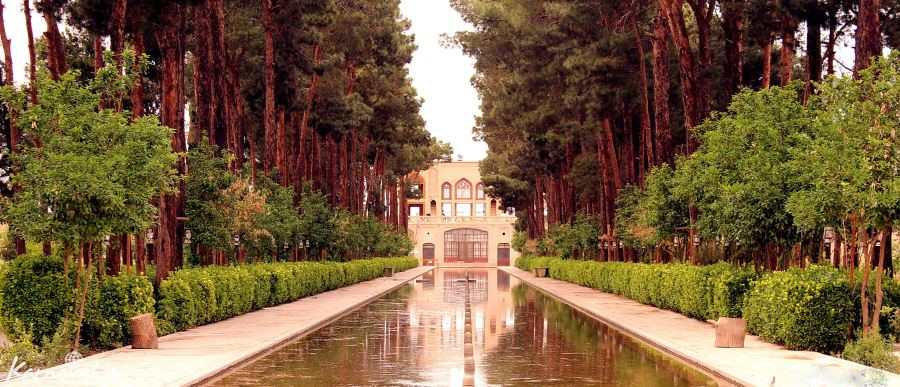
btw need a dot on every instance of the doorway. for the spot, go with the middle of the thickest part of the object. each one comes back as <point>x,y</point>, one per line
<point>465,245</point>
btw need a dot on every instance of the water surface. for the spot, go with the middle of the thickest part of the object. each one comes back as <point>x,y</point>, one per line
<point>414,336</point>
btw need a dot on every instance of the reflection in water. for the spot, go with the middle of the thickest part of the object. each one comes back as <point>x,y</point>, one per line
<point>414,336</point>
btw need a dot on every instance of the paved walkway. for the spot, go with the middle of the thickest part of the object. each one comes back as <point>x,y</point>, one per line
<point>758,364</point>
<point>196,355</point>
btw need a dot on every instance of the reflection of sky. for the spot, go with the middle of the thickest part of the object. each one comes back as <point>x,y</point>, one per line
<point>414,336</point>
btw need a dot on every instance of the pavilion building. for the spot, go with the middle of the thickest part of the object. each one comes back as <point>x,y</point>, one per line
<point>453,222</point>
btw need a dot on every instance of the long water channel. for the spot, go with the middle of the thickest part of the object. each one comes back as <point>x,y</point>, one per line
<point>414,336</point>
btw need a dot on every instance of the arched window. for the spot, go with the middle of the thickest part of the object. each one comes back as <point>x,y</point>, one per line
<point>463,189</point>
<point>479,191</point>
<point>446,190</point>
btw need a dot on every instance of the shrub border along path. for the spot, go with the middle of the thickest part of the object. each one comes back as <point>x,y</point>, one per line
<point>692,341</point>
<point>200,354</point>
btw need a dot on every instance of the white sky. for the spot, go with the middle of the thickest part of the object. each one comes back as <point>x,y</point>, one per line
<point>15,31</point>
<point>442,76</point>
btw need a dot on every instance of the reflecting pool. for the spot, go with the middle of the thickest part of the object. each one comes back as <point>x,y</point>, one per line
<point>414,336</point>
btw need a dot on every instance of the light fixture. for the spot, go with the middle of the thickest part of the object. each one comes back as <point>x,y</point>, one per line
<point>828,234</point>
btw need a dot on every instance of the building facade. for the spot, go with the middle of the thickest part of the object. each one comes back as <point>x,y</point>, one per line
<point>454,223</point>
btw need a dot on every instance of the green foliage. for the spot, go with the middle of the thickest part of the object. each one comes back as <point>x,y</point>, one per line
<point>51,353</point>
<point>111,304</point>
<point>198,296</point>
<point>574,240</point>
<point>648,217</point>
<point>520,243</point>
<point>96,170</point>
<point>872,350</point>
<point>686,289</point>
<point>204,198</point>
<point>34,292</point>
<point>801,308</point>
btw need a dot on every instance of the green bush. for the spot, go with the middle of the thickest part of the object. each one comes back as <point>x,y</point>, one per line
<point>111,304</point>
<point>872,350</point>
<point>801,308</point>
<point>35,291</point>
<point>703,292</point>
<point>198,296</point>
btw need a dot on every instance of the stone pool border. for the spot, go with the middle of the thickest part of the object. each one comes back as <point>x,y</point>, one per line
<point>204,353</point>
<point>692,341</point>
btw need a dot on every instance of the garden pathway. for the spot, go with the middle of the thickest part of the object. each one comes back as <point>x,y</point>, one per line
<point>196,355</point>
<point>758,364</point>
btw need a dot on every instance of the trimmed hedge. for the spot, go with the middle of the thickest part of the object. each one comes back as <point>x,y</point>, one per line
<point>198,296</point>
<point>703,292</point>
<point>810,309</point>
<point>35,291</point>
<point>111,304</point>
<point>802,308</point>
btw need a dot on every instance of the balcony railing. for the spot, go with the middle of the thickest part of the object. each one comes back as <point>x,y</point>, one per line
<point>461,220</point>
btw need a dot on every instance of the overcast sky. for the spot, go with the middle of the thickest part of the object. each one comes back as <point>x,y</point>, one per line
<point>442,76</point>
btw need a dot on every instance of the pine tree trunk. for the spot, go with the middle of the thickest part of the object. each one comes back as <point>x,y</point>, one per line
<point>732,28</point>
<point>868,34</point>
<point>32,56</point>
<point>269,115</point>
<point>663,133</point>
<point>56,54</point>
<point>117,30</point>
<point>168,238</point>
<point>788,30</point>
<point>646,144</point>
<point>767,64</point>
<point>688,67</point>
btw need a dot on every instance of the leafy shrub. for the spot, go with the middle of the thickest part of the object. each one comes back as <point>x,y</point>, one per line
<point>111,304</point>
<point>35,291</point>
<point>690,290</point>
<point>729,290</point>
<point>872,350</point>
<point>200,296</point>
<point>50,353</point>
<point>801,308</point>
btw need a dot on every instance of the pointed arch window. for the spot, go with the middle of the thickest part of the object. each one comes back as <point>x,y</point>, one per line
<point>463,189</point>
<point>446,191</point>
<point>479,191</point>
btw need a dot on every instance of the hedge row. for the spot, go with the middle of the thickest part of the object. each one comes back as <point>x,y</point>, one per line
<point>192,297</point>
<point>811,308</point>
<point>35,291</point>
<point>703,292</point>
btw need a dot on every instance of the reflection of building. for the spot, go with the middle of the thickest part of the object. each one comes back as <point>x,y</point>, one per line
<point>454,223</point>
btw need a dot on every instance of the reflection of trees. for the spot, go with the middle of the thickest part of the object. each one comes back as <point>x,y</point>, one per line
<point>575,349</point>
<point>371,345</point>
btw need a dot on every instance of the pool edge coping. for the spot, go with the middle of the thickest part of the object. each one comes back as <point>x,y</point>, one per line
<point>281,341</point>
<point>655,344</point>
